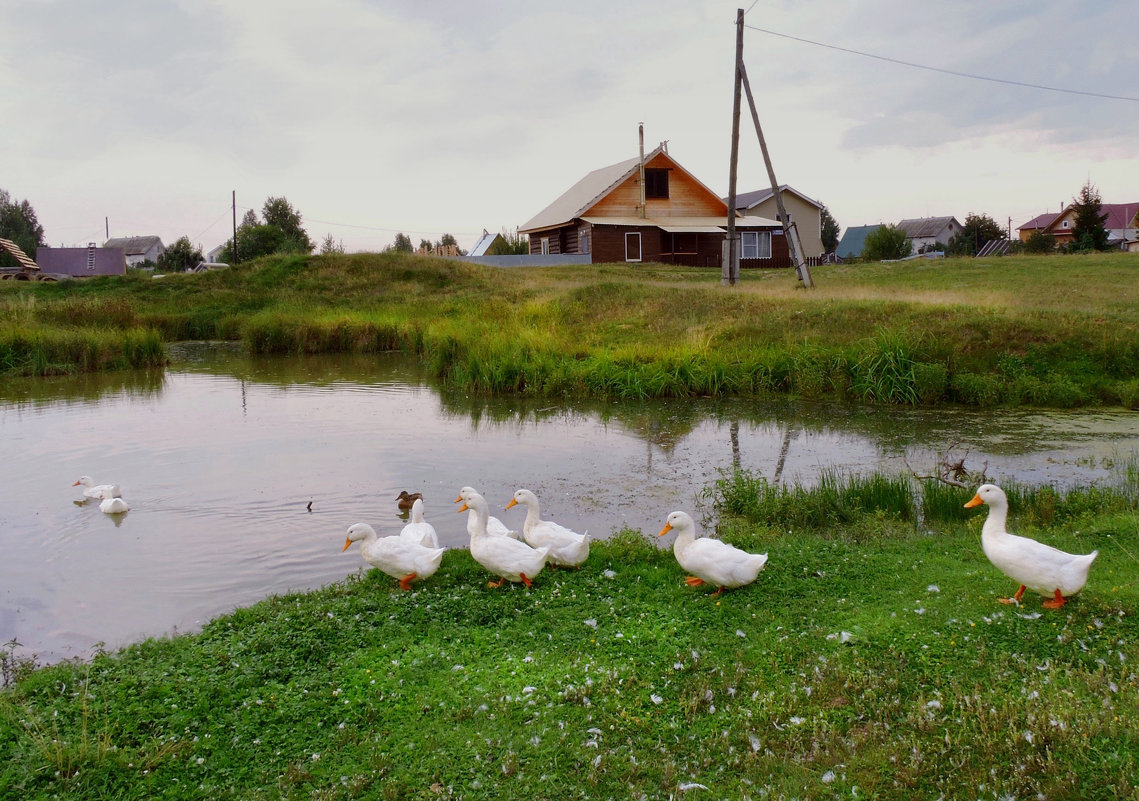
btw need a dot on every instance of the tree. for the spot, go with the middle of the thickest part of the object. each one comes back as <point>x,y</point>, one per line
<point>402,244</point>
<point>180,257</point>
<point>280,214</point>
<point>330,245</point>
<point>1088,231</point>
<point>830,231</point>
<point>249,218</point>
<point>512,243</point>
<point>1039,242</point>
<point>426,245</point>
<point>18,223</point>
<point>978,231</point>
<point>886,242</point>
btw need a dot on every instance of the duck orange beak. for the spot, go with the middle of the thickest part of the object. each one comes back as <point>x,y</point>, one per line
<point>975,502</point>
<point>667,528</point>
<point>347,542</point>
<point>513,502</point>
<point>457,499</point>
<point>76,484</point>
<point>462,508</point>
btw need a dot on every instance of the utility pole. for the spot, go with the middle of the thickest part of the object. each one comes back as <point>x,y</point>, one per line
<point>107,224</point>
<point>730,272</point>
<point>790,231</point>
<point>235,226</point>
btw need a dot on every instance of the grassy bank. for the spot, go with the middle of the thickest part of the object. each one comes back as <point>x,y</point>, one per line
<point>1053,331</point>
<point>869,659</point>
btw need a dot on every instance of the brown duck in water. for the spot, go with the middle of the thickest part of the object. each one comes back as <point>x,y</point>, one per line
<point>406,499</point>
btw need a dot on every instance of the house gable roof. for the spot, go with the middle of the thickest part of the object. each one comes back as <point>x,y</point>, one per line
<point>483,245</point>
<point>1039,222</point>
<point>750,200</point>
<point>1119,216</point>
<point>853,240</point>
<point>923,227</point>
<point>595,187</point>
<point>133,245</point>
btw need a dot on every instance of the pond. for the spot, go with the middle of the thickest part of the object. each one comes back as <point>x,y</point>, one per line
<point>220,457</point>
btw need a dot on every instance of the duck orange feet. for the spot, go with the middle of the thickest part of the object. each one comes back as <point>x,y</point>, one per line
<point>525,580</point>
<point>1015,599</point>
<point>1055,602</point>
<point>496,583</point>
<point>405,582</point>
<point>693,581</point>
<point>717,592</point>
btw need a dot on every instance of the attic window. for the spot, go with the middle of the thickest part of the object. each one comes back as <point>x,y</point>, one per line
<point>656,184</point>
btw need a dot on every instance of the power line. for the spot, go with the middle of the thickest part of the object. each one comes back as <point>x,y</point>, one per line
<point>943,71</point>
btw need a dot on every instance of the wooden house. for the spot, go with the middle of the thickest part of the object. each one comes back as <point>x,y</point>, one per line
<point>615,215</point>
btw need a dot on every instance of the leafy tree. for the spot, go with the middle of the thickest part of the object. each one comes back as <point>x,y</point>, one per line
<point>280,214</point>
<point>978,231</point>
<point>830,231</point>
<point>249,219</point>
<point>180,256</point>
<point>330,245</point>
<point>932,247</point>
<point>18,223</point>
<point>426,245</point>
<point>402,244</point>
<point>512,243</point>
<point>886,242</point>
<point>1088,230</point>
<point>1039,242</point>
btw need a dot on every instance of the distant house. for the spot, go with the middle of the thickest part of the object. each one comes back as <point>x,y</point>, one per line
<point>922,231</point>
<point>609,216</point>
<point>82,262</point>
<point>853,241</point>
<point>1038,224</point>
<point>1122,223</point>
<point>214,256</point>
<point>139,249</point>
<point>805,213</point>
<point>486,243</point>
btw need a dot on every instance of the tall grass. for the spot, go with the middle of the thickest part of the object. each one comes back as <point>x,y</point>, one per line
<point>963,333</point>
<point>42,351</point>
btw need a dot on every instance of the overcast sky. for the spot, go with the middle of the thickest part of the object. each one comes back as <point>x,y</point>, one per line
<point>450,116</point>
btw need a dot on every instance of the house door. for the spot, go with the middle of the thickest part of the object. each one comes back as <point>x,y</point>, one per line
<point>633,246</point>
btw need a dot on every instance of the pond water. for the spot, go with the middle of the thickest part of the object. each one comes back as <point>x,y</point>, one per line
<point>220,456</point>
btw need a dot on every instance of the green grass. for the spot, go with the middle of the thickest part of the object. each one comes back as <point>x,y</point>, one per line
<point>870,658</point>
<point>1047,331</point>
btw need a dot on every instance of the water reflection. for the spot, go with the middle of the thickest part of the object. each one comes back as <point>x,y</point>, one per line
<point>243,473</point>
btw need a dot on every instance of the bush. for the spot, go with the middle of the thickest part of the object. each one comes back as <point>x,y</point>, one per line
<point>886,242</point>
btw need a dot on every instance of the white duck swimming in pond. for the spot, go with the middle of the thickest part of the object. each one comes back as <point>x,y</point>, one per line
<point>711,561</point>
<point>494,526</point>
<point>100,491</point>
<point>419,530</point>
<point>113,506</point>
<point>567,548</point>
<point>399,558</point>
<point>503,556</point>
<point>1052,573</point>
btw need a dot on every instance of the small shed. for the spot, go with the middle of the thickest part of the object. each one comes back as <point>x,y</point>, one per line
<point>854,240</point>
<point>139,249</point>
<point>486,244</point>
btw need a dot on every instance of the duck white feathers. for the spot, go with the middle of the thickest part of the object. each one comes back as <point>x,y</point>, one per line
<point>398,557</point>
<point>505,557</point>
<point>711,561</point>
<point>494,526</point>
<point>419,530</point>
<point>100,491</point>
<point>113,506</point>
<point>567,548</point>
<point>1045,570</point>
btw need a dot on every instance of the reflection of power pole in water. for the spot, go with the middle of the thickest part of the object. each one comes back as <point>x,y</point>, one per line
<point>735,429</point>
<point>243,397</point>
<point>788,435</point>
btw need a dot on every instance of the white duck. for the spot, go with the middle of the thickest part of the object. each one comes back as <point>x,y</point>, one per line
<point>567,548</point>
<point>419,530</point>
<point>113,506</point>
<point>503,556</point>
<point>100,491</point>
<point>1052,573</point>
<point>398,557</point>
<point>494,526</point>
<point>711,561</point>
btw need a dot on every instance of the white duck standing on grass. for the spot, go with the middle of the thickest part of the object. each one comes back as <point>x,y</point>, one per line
<point>100,491</point>
<point>419,530</point>
<point>1052,573</point>
<point>711,561</point>
<point>494,526</point>
<point>567,548</point>
<point>400,558</point>
<point>507,558</point>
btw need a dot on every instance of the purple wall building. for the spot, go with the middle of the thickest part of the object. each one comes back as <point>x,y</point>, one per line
<point>81,262</point>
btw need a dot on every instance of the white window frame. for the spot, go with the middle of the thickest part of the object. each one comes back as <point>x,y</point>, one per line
<point>545,241</point>
<point>629,238</point>
<point>754,243</point>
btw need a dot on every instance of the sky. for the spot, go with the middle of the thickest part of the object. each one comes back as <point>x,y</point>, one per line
<point>377,117</point>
